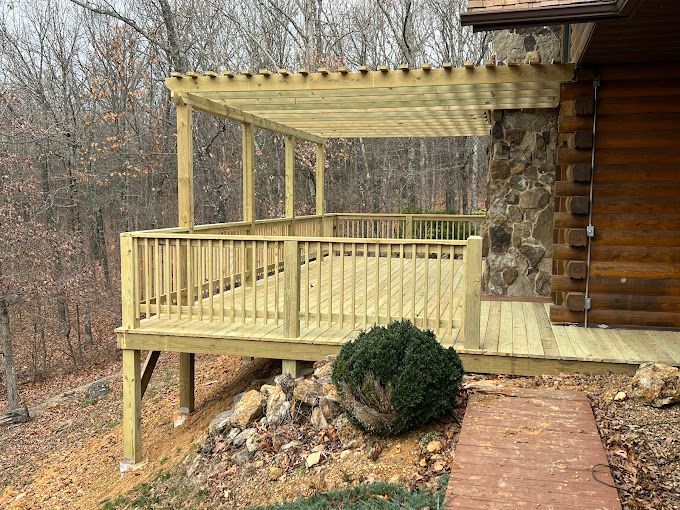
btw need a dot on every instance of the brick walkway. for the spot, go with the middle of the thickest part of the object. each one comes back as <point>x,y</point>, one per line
<point>530,449</point>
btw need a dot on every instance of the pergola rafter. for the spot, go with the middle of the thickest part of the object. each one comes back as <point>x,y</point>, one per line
<point>405,102</point>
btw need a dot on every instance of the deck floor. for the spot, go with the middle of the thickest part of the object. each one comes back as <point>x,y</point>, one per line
<point>524,448</point>
<point>517,337</point>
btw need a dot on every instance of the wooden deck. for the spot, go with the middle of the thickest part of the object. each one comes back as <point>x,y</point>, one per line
<point>340,297</point>
<point>524,448</point>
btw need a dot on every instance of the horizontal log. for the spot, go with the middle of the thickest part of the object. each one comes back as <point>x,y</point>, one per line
<point>20,415</point>
<point>640,122</point>
<point>621,221</point>
<point>623,156</point>
<point>580,172</point>
<point>612,204</point>
<point>612,318</point>
<point>640,238</point>
<point>636,254</point>
<point>625,88</point>
<point>623,105</point>
<point>659,271</point>
<point>633,189</point>
<point>632,286</point>
<point>647,172</point>
<point>578,205</point>
<point>576,237</point>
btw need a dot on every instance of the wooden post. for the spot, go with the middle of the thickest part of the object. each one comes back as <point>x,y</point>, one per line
<point>128,281</point>
<point>289,142</point>
<point>248,172</point>
<point>408,233</point>
<point>185,167</point>
<point>185,206</point>
<point>132,408</point>
<point>328,226</point>
<point>291,299</point>
<point>473,286</point>
<point>320,177</point>
<point>186,382</point>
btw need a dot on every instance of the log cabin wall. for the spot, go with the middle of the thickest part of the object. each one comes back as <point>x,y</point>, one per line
<point>635,259</point>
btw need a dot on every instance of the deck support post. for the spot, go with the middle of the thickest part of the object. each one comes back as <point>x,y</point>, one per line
<point>132,409</point>
<point>248,147</point>
<point>185,167</point>
<point>187,363</point>
<point>473,287</point>
<point>290,367</point>
<point>291,298</point>
<point>289,163</point>
<point>320,177</point>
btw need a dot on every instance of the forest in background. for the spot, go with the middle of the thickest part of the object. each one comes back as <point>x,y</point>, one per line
<point>87,143</point>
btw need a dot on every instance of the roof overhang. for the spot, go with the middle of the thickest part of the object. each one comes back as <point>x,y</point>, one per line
<point>427,102</point>
<point>577,12</point>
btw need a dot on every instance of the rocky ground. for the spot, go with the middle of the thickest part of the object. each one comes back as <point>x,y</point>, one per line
<point>280,439</point>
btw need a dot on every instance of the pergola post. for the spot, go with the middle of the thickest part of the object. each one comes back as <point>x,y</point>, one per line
<point>289,149</point>
<point>248,172</point>
<point>472,261</point>
<point>185,208</point>
<point>320,176</point>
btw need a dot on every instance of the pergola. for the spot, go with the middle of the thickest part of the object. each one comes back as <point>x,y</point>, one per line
<point>314,106</point>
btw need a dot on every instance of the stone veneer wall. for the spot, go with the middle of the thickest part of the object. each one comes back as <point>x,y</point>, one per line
<point>518,234</point>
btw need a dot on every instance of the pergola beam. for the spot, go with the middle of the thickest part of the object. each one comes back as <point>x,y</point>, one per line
<point>375,79</point>
<point>220,109</point>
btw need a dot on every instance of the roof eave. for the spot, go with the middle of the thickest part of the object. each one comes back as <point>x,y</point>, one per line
<point>558,15</point>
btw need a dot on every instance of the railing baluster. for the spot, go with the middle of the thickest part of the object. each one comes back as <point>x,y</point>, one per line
<point>232,279</point>
<point>277,263</point>
<point>243,256</point>
<point>354,286</point>
<point>377,282</point>
<point>401,281</point>
<point>365,285</point>
<point>427,286</point>
<point>221,269</point>
<point>168,264</point>
<point>331,256</point>
<point>253,280</point>
<point>211,279</point>
<point>414,274</point>
<point>438,297</point>
<point>342,285</point>
<point>389,283</point>
<point>147,279</point>
<point>157,276</point>
<point>319,260</point>
<point>178,255</point>
<point>266,282</point>
<point>308,281</point>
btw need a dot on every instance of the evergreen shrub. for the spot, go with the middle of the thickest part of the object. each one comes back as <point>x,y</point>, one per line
<point>395,378</point>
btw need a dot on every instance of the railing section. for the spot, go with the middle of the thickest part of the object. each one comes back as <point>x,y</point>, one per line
<point>408,226</point>
<point>296,282</point>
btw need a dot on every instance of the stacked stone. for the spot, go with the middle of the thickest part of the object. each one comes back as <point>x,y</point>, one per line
<point>518,235</point>
<point>519,230</point>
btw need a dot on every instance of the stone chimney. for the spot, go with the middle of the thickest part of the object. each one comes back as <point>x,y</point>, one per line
<point>518,235</point>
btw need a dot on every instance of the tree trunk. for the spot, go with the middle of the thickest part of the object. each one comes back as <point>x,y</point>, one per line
<point>11,386</point>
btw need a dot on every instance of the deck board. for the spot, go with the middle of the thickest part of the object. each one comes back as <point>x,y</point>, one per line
<point>530,449</point>
<point>513,332</point>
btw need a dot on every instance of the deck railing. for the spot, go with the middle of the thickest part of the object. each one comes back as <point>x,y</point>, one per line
<point>298,281</point>
<point>408,226</point>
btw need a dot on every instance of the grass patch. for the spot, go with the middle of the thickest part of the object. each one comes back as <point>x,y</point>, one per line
<point>376,496</point>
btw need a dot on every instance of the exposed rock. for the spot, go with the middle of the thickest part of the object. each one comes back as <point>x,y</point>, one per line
<point>509,275</point>
<point>532,57</point>
<point>253,443</point>
<point>318,420</point>
<point>345,453</point>
<point>313,459</point>
<point>499,169</point>
<point>324,371</point>
<point>621,395</point>
<point>248,409</point>
<point>241,457</point>
<point>434,446</point>
<point>330,392</point>
<point>97,389</point>
<point>497,131</point>
<point>220,422</point>
<point>656,384</point>
<point>286,383</point>
<point>308,391</point>
<point>242,437</point>
<point>329,359</point>
<point>278,407</point>
<point>514,136</point>
<point>331,409</point>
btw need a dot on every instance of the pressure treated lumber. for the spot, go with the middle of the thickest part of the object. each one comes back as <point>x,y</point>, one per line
<point>473,278</point>
<point>185,166</point>
<point>248,158</point>
<point>132,407</point>
<point>320,179</point>
<point>289,162</point>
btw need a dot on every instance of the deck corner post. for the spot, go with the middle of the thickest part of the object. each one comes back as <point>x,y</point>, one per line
<point>187,363</point>
<point>132,409</point>
<point>128,281</point>
<point>328,226</point>
<point>291,289</point>
<point>472,301</point>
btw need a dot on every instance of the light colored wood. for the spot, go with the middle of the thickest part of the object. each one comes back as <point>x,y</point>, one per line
<point>132,407</point>
<point>320,178</point>
<point>290,367</point>
<point>473,279</point>
<point>186,382</point>
<point>248,162</point>
<point>291,276</point>
<point>185,167</point>
<point>289,150</point>
<point>147,370</point>
<point>128,281</point>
